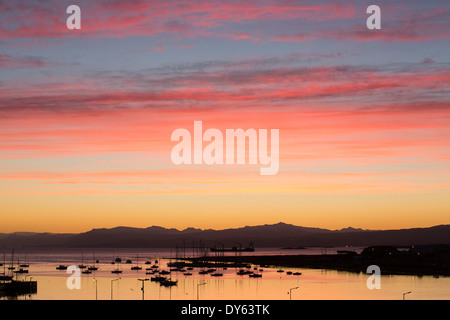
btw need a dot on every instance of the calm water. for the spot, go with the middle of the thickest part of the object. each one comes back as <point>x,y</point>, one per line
<point>312,284</point>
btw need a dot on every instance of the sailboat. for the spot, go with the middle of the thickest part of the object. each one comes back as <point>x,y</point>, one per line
<point>255,275</point>
<point>4,277</point>
<point>82,266</point>
<point>11,267</point>
<point>94,267</point>
<point>136,267</point>
<point>25,265</point>
<point>117,271</point>
<point>21,270</point>
<point>168,283</point>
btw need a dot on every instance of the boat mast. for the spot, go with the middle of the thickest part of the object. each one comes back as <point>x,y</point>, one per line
<point>12,261</point>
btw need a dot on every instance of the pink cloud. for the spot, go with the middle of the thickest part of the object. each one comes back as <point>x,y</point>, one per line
<point>7,61</point>
<point>202,18</point>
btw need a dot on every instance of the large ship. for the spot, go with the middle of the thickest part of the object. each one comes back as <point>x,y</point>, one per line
<point>250,248</point>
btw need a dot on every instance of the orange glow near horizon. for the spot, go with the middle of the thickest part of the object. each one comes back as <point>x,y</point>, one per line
<point>86,118</point>
<point>337,169</point>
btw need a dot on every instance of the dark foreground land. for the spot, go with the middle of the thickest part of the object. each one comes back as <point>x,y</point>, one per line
<point>390,261</point>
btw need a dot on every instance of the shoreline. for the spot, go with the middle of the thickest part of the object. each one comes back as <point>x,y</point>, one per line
<point>400,265</point>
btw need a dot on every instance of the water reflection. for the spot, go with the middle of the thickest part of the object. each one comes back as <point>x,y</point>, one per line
<point>311,284</point>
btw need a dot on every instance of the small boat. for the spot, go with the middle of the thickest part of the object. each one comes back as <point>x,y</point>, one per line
<point>118,260</point>
<point>61,267</point>
<point>255,275</point>
<point>280,270</point>
<point>154,266</point>
<point>164,272</point>
<point>297,273</point>
<point>158,279</point>
<point>116,271</point>
<point>243,272</point>
<point>25,265</point>
<point>21,270</point>
<point>190,268</point>
<point>203,272</point>
<point>168,283</point>
<point>289,272</point>
<point>187,274</point>
<point>148,262</point>
<point>216,274</point>
<point>128,261</point>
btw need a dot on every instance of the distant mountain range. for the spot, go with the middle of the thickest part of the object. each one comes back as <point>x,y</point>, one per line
<point>263,236</point>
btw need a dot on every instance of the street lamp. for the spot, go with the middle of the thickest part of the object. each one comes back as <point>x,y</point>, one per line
<point>290,292</point>
<point>409,292</point>
<point>200,284</point>
<point>112,286</point>
<point>142,289</point>
<point>95,288</point>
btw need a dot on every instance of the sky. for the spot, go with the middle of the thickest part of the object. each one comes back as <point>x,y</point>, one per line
<point>86,116</point>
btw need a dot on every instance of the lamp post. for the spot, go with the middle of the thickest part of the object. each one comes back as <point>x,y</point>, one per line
<point>95,288</point>
<point>290,292</point>
<point>404,294</point>
<point>112,286</point>
<point>200,284</point>
<point>142,289</point>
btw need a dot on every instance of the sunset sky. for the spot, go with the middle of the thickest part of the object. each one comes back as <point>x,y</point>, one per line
<point>86,115</point>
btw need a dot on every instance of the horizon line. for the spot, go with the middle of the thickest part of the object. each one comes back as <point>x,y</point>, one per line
<point>231,228</point>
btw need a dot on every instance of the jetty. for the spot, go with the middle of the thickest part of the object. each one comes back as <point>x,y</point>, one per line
<point>433,260</point>
<point>13,288</point>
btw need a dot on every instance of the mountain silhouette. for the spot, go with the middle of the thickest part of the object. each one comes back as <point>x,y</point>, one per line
<point>268,236</point>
